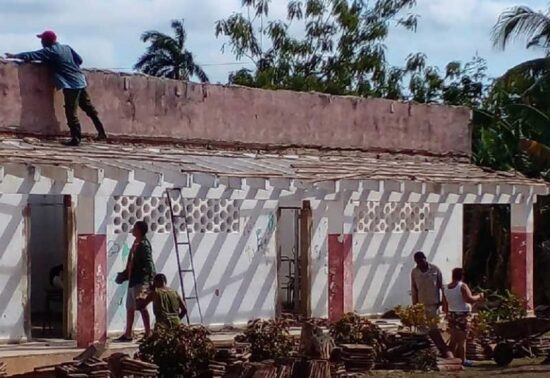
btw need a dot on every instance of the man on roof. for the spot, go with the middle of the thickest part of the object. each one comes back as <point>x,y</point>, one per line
<point>65,64</point>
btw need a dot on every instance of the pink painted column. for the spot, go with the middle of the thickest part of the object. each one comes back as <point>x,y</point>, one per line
<point>92,290</point>
<point>521,254</point>
<point>340,275</point>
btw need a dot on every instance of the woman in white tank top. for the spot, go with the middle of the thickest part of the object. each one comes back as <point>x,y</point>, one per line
<point>457,304</point>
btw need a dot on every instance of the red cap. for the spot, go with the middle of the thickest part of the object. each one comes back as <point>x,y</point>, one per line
<point>48,36</point>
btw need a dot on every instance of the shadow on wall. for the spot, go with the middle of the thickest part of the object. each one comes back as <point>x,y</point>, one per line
<point>236,272</point>
<point>383,261</point>
<point>13,269</point>
<point>37,100</point>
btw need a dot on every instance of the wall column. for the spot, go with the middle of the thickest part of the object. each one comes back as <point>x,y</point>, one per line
<point>91,271</point>
<point>340,263</point>
<point>521,254</point>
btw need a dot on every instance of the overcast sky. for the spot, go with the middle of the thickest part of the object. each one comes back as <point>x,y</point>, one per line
<point>106,32</point>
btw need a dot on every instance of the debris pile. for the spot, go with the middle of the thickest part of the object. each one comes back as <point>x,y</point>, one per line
<point>358,357</point>
<point>3,369</point>
<point>449,364</point>
<point>479,349</point>
<point>410,351</point>
<point>137,368</point>
<point>233,357</point>
<point>217,369</point>
<point>122,365</point>
<point>91,367</point>
<point>540,345</point>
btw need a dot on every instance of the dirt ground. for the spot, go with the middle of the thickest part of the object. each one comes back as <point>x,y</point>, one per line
<point>525,368</point>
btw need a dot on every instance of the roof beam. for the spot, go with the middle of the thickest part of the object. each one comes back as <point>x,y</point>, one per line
<point>232,182</point>
<point>117,173</point>
<point>145,174</point>
<point>280,183</point>
<point>89,174</point>
<point>328,186</point>
<point>57,173</point>
<point>34,172</point>
<point>256,183</point>
<point>206,179</point>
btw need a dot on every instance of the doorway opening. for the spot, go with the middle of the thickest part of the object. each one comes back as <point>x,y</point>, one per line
<point>48,252</point>
<point>486,243</point>
<point>288,260</point>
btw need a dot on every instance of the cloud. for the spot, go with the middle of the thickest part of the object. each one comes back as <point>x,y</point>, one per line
<point>106,32</point>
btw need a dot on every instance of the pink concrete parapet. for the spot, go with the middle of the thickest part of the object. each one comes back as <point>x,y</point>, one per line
<point>138,106</point>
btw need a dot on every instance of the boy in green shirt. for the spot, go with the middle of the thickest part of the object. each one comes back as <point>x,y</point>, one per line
<point>168,305</point>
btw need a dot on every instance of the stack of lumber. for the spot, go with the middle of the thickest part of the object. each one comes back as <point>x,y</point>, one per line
<point>3,369</point>
<point>92,367</point>
<point>358,357</point>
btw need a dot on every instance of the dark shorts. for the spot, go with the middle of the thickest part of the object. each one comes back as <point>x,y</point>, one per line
<point>459,321</point>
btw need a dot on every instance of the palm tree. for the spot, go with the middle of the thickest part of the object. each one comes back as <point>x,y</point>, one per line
<point>523,22</point>
<point>529,81</point>
<point>167,57</point>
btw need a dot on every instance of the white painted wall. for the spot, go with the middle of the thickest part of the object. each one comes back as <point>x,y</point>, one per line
<point>383,261</point>
<point>13,267</point>
<point>319,259</point>
<point>236,272</point>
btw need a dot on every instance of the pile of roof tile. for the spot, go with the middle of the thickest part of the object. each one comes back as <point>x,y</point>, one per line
<point>233,357</point>
<point>217,369</point>
<point>358,357</point>
<point>122,365</point>
<point>91,367</point>
<point>137,368</point>
<point>540,346</point>
<point>449,364</point>
<point>266,369</point>
<point>403,348</point>
<point>478,349</point>
<point>338,369</point>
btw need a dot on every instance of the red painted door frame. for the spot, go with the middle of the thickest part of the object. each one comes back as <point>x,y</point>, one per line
<point>340,275</point>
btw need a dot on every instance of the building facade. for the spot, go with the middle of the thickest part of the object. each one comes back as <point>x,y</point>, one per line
<point>294,202</point>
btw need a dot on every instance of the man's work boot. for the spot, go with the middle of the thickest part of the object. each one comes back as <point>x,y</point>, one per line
<point>73,142</point>
<point>101,137</point>
<point>76,135</point>
<point>101,134</point>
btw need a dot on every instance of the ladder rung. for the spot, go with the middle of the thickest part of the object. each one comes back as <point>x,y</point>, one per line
<point>192,298</point>
<point>183,243</point>
<point>187,271</point>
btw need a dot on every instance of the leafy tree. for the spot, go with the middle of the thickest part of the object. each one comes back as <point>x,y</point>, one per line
<point>167,56</point>
<point>340,49</point>
<point>462,84</point>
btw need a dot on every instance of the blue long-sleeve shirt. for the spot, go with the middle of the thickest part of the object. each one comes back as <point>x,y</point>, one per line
<point>64,62</point>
